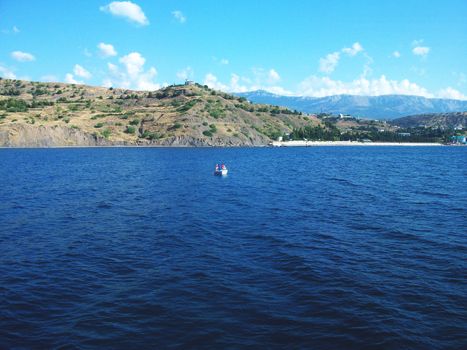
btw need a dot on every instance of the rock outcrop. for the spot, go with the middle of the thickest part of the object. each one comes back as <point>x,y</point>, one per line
<point>21,135</point>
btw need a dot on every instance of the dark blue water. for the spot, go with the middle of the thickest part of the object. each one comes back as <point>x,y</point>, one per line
<point>324,248</point>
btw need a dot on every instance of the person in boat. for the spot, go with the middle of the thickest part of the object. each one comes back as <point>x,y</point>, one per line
<point>217,167</point>
<point>223,167</point>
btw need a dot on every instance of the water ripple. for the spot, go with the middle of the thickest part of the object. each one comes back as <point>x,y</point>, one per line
<point>298,248</point>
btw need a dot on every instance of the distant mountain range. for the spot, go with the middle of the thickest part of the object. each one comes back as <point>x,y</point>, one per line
<point>375,107</point>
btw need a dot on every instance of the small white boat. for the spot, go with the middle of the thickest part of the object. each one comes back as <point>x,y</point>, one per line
<point>221,170</point>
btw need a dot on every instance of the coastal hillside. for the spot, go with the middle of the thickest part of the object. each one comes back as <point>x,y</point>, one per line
<point>377,107</point>
<point>34,114</point>
<point>434,120</point>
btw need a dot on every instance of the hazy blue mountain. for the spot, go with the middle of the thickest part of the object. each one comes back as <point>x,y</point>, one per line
<point>377,107</point>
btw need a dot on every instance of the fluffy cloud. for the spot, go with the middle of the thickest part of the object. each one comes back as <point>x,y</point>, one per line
<point>396,54</point>
<point>352,51</point>
<point>451,93</point>
<point>81,72</point>
<point>7,73</point>
<point>329,63</point>
<point>418,49</point>
<point>70,79</point>
<point>243,84</point>
<point>128,10</point>
<point>21,56</point>
<point>273,76</point>
<point>179,16</point>
<point>212,81</point>
<point>224,61</point>
<point>106,50</point>
<point>316,86</point>
<point>325,86</point>
<point>132,75</point>
<point>185,73</point>
<point>421,50</point>
<point>133,63</point>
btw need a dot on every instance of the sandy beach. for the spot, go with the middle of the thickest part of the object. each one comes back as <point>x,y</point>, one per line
<point>346,143</point>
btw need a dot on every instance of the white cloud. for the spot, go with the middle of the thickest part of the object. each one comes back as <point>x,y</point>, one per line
<point>179,16</point>
<point>127,10</point>
<point>81,72</point>
<point>212,81</point>
<point>273,76</point>
<point>235,84</point>
<point>133,63</point>
<point>224,61</point>
<point>421,50</point>
<point>451,93</point>
<point>325,86</point>
<point>7,73</point>
<point>185,73</point>
<point>106,50</point>
<point>70,79</point>
<point>352,51</point>
<point>15,29</point>
<point>329,63</point>
<point>396,54</point>
<point>132,75</point>
<point>21,56</point>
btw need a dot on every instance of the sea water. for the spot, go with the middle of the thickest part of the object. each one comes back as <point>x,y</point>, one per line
<point>323,247</point>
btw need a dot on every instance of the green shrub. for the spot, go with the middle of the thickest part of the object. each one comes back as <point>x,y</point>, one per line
<point>134,122</point>
<point>130,129</point>
<point>106,133</point>
<point>149,135</point>
<point>14,105</point>
<point>207,133</point>
<point>99,125</point>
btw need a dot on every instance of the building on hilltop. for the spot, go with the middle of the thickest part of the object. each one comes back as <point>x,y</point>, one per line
<point>189,82</point>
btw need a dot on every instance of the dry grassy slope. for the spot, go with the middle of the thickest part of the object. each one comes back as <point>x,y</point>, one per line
<point>433,120</point>
<point>177,115</point>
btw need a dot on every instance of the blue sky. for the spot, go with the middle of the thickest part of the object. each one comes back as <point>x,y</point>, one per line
<point>311,48</point>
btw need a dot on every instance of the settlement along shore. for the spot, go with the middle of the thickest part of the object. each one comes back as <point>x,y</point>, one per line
<point>346,143</point>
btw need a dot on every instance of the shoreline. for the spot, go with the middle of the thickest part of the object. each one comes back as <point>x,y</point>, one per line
<point>349,143</point>
<point>272,144</point>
